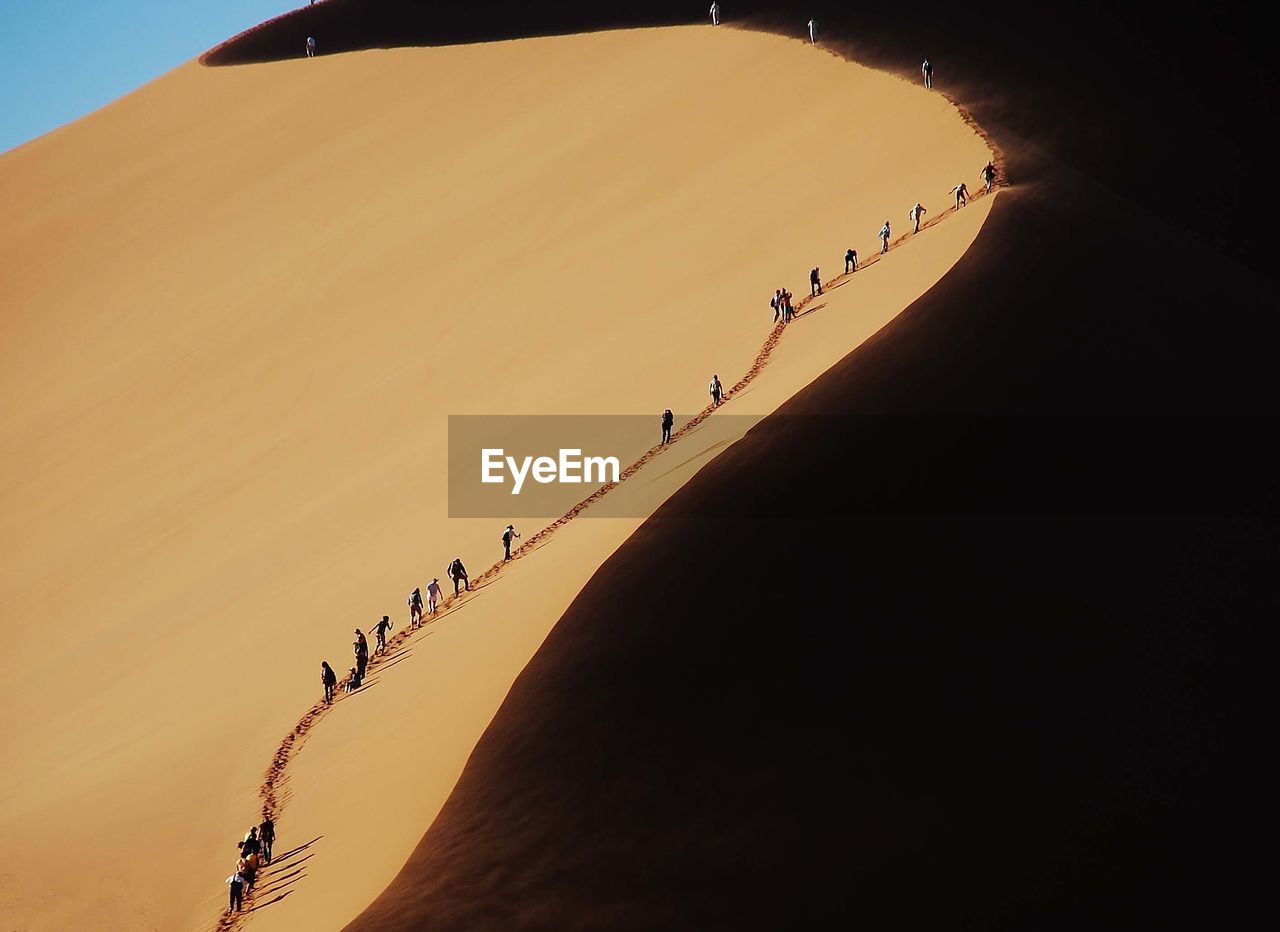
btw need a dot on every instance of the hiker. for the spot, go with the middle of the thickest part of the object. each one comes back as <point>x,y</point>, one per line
<point>267,835</point>
<point>249,844</point>
<point>813,32</point>
<point>380,631</point>
<point>458,573</point>
<point>235,901</point>
<point>311,46</point>
<point>251,864</point>
<point>962,194</point>
<point>415,608</point>
<point>927,70</point>
<point>884,238</point>
<point>915,213</point>
<point>788,311</point>
<point>330,680</point>
<point>433,595</point>
<point>988,177</point>
<point>815,283</point>
<point>508,536</point>
<point>360,647</point>
<point>850,261</point>
<point>717,391</point>
<point>668,421</point>
<point>715,14</point>
<point>776,304</point>
<point>355,679</point>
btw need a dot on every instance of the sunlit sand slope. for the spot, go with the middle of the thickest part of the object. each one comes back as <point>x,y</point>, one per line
<point>236,310</point>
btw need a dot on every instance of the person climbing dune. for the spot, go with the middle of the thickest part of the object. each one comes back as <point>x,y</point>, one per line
<point>776,303</point>
<point>927,70</point>
<point>508,536</point>
<point>668,421</point>
<point>415,608</point>
<point>885,233</point>
<point>813,32</point>
<point>267,835</point>
<point>355,679</point>
<point>962,194</point>
<point>311,46</point>
<point>380,632</point>
<point>458,573</point>
<point>815,283</point>
<point>988,177</point>
<point>850,261</point>
<point>235,882</point>
<point>330,681</point>
<point>715,14</point>
<point>717,391</point>
<point>360,647</point>
<point>915,214</point>
<point>433,596</point>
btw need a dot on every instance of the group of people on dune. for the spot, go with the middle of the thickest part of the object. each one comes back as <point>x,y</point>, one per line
<point>419,607</point>
<point>255,853</point>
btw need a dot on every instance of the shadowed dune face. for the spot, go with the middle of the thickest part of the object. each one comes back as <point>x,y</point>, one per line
<point>237,306</point>
<point>1007,675</point>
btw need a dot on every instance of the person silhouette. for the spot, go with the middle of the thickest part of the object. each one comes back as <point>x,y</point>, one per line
<point>717,391</point>
<point>311,46</point>
<point>813,32</point>
<point>715,14</point>
<point>927,70</point>
<point>885,233</point>
<point>915,214</point>
<point>850,261</point>
<point>668,420</point>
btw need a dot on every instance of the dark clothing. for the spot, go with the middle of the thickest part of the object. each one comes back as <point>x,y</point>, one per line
<point>330,680</point>
<point>668,421</point>
<point>236,898</point>
<point>362,663</point>
<point>267,834</point>
<point>458,573</point>
<point>249,846</point>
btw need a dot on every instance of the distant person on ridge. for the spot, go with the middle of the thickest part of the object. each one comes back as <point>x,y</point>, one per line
<point>988,177</point>
<point>360,647</point>
<point>884,238</point>
<point>415,608</point>
<point>329,679</point>
<point>962,194</point>
<point>380,631</point>
<point>267,835</point>
<point>508,536</point>
<point>717,391</point>
<point>311,46</point>
<point>815,283</point>
<point>669,420</point>
<point>850,261</point>
<point>915,213</point>
<point>927,70</point>
<point>715,14</point>
<point>433,595</point>
<point>458,573</point>
<point>813,32</point>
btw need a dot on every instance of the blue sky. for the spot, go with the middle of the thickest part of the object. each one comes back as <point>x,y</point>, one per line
<point>61,59</point>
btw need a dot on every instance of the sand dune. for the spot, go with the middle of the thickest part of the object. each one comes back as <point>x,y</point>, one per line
<point>239,304</point>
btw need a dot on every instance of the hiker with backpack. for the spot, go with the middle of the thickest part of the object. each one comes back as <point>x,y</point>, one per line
<point>508,536</point>
<point>267,835</point>
<point>717,391</point>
